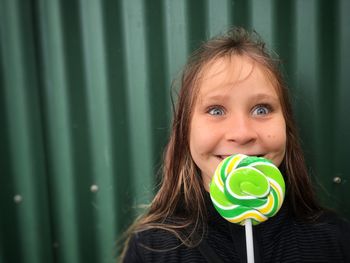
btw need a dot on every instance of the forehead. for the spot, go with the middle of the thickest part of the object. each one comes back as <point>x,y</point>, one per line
<point>226,72</point>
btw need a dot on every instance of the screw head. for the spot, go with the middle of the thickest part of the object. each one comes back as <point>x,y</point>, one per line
<point>94,188</point>
<point>337,180</point>
<point>18,199</point>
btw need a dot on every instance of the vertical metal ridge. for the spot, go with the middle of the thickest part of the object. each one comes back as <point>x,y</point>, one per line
<point>341,126</point>
<point>241,14</point>
<point>343,95</point>
<point>138,99</point>
<point>218,16</point>
<point>306,61</point>
<point>328,85</point>
<point>2,253</point>
<point>285,40</point>
<point>196,17</point>
<point>23,127</point>
<point>177,47</point>
<point>76,93</point>
<point>103,204</point>
<point>58,127</point>
<point>262,19</point>
<point>158,86</point>
<point>116,73</point>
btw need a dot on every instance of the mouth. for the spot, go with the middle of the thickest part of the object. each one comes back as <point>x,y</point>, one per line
<point>222,157</point>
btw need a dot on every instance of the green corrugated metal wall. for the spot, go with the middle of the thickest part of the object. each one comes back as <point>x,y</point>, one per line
<point>85,108</point>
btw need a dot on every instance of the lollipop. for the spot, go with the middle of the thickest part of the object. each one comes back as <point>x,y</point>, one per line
<point>247,190</point>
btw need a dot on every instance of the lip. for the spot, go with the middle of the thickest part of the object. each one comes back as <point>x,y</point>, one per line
<point>223,156</point>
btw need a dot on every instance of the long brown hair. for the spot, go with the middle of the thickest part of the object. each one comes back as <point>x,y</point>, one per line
<point>179,202</point>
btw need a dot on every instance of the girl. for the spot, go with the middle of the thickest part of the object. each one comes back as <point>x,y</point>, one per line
<point>233,100</point>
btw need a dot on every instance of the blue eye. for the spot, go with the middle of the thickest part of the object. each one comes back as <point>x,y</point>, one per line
<point>216,111</point>
<point>262,110</point>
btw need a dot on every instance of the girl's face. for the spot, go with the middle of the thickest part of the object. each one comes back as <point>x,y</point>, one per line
<point>237,111</point>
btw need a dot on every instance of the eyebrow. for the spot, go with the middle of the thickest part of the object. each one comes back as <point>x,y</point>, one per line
<point>213,98</point>
<point>264,96</point>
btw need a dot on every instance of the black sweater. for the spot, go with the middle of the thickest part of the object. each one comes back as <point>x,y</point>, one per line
<point>279,239</point>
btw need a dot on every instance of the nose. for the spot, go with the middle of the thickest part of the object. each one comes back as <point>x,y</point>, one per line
<point>240,129</point>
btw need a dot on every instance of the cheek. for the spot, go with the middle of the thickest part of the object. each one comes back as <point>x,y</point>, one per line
<point>202,138</point>
<point>277,135</point>
<point>277,140</point>
<point>276,144</point>
<point>197,138</point>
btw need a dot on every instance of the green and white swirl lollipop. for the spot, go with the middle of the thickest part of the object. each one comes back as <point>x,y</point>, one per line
<point>247,187</point>
<point>247,190</point>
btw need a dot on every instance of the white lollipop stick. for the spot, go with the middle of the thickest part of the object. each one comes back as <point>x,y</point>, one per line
<point>249,240</point>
